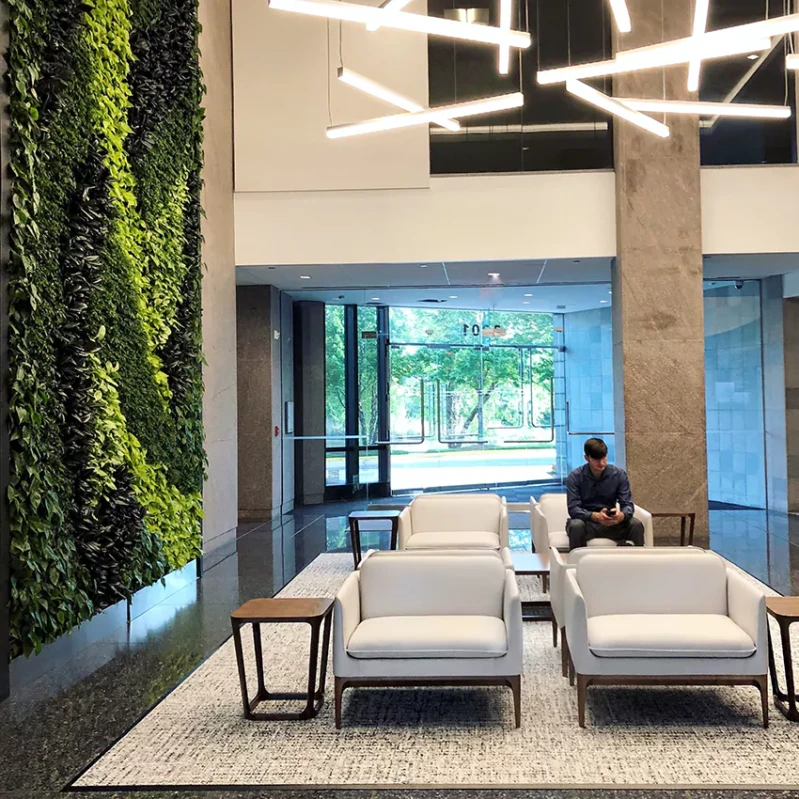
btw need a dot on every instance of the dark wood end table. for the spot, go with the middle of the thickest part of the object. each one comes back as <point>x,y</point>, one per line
<point>785,609</point>
<point>358,516</point>
<point>533,563</point>
<point>282,611</point>
<point>690,518</point>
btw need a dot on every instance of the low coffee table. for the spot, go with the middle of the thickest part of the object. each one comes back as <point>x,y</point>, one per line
<point>282,611</point>
<point>533,563</point>
<point>785,609</point>
<point>683,517</point>
<point>358,516</point>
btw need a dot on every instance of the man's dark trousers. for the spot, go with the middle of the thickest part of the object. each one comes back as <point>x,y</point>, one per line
<point>581,532</point>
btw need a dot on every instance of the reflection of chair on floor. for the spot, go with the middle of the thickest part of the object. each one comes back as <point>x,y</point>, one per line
<point>407,619</point>
<point>560,562</point>
<point>664,620</point>
<point>454,521</point>
<point>548,524</point>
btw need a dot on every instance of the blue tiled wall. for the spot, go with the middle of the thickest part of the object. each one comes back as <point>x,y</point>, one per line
<point>589,380</point>
<point>734,395</point>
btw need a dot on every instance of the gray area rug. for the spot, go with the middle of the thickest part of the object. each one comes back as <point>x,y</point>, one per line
<point>461,737</point>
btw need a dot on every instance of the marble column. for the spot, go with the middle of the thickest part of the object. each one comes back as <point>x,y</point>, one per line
<point>790,316</point>
<point>309,392</point>
<point>219,283</point>
<point>658,325</point>
<point>259,401</point>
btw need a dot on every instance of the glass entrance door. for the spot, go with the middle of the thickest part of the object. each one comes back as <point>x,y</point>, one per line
<point>471,399</point>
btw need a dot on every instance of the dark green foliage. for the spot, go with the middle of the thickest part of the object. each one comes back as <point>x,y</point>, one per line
<point>105,324</point>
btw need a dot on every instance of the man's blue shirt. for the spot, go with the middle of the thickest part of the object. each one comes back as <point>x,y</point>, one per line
<point>587,493</point>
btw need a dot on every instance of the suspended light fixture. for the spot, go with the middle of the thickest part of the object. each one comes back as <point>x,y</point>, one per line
<point>417,23</point>
<point>456,111</point>
<point>746,110</point>
<point>616,108</point>
<point>700,24</point>
<point>505,13</point>
<point>622,15</point>
<point>667,54</point>
<point>382,93</point>
<point>388,5</point>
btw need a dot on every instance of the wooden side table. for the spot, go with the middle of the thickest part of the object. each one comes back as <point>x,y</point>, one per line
<point>358,516</point>
<point>282,611</point>
<point>683,517</point>
<point>785,609</point>
<point>533,563</point>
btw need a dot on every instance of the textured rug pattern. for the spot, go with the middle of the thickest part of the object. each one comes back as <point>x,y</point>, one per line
<point>635,736</point>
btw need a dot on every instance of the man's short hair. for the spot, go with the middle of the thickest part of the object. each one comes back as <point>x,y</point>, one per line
<point>595,448</point>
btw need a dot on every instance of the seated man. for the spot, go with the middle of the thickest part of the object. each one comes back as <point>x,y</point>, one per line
<point>593,491</point>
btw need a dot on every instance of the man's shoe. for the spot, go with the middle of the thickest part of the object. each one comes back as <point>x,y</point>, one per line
<point>629,543</point>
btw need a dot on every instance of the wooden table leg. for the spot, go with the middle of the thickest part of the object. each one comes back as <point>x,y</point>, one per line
<point>355,539</point>
<point>682,531</point>
<point>240,663</point>
<point>784,702</point>
<point>394,533</point>
<point>691,529</point>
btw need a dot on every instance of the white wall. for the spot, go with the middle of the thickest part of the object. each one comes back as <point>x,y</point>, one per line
<point>285,68</point>
<point>750,209</point>
<point>502,217</point>
<point>462,218</point>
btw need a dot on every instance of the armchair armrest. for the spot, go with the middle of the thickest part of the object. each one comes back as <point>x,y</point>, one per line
<point>512,614</point>
<point>645,517</point>
<point>576,620</point>
<point>405,528</point>
<point>539,529</point>
<point>746,606</point>
<point>503,525</point>
<point>557,577</point>
<point>346,615</point>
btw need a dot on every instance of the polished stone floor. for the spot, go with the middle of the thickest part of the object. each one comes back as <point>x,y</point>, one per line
<point>82,693</point>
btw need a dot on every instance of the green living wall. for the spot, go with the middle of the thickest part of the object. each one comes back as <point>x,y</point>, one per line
<point>105,318</point>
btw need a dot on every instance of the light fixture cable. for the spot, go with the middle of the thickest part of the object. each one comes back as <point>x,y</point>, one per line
<point>329,104</point>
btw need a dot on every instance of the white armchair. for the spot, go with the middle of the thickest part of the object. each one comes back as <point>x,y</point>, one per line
<point>504,554</point>
<point>664,620</point>
<point>419,619</point>
<point>454,521</point>
<point>561,562</point>
<point>548,519</point>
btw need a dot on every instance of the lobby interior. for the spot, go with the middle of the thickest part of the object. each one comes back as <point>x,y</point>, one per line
<point>326,325</point>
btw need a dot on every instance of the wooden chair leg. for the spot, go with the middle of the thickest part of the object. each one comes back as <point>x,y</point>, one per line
<point>339,690</point>
<point>554,633</point>
<point>516,686</point>
<point>564,653</point>
<point>571,670</point>
<point>582,685</point>
<point>762,685</point>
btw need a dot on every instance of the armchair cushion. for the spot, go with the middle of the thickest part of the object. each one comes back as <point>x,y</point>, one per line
<point>429,637</point>
<point>467,539</point>
<point>649,635</point>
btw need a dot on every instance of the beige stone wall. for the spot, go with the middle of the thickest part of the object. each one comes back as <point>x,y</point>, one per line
<point>219,289</point>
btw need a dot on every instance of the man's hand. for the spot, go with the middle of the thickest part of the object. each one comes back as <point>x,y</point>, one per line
<point>613,518</point>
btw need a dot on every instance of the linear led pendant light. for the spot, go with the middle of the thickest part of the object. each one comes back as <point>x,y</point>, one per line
<point>418,23</point>
<point>622,15</point>
<point>792,62</point>
<point>456,111</point>
<point>662,55</point>
<point>748,110</point>
<point>616,108</point>
<point>700,25</point>
<point>505,13</point>
<point>388,5</point>
<point>382,93</point>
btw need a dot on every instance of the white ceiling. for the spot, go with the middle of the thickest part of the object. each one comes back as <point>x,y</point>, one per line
<point>577,284</point>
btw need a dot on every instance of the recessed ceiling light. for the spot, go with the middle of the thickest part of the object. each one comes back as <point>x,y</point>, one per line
<point>603,300</point>
<point>374,299</point>
<point>305,277</point>
<point>528,295</point>
<point>423,266</point>
<point>753,56</point>
<point>453,296</point>
<point>525,303</point>
<point>610,292</point>
<point>493,274</point>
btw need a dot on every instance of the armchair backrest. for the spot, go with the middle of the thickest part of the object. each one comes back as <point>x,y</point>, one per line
<point>555,510</point>
<point>432,585</point>
<point>676,583</point>
<point>441,513</point>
